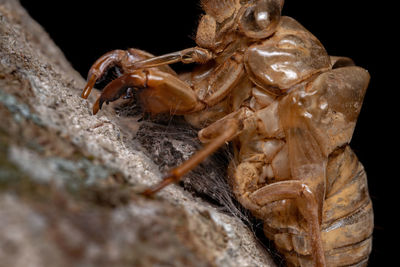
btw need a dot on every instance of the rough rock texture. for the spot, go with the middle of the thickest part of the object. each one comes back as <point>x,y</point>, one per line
<point>68,180</point>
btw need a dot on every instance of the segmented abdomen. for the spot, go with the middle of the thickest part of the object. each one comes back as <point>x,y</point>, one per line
<point>347,221</point>
<point>348,217</point>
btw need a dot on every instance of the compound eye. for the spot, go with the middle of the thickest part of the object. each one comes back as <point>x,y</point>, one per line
<point>260,19</point>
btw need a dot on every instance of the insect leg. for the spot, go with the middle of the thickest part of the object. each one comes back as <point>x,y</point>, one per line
<point>159,92</point>
<point>307,204</point>
<point>106,61</point>
<point>227,133</point>
<point>190,55</point>
<point>124,59</point>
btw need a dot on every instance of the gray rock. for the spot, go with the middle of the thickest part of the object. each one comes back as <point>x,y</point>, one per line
<point>69,180</point>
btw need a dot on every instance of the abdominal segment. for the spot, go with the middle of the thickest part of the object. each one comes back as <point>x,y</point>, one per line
<point>347,220</point>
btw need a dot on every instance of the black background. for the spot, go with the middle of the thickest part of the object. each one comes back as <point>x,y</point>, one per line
<point>87,29</point>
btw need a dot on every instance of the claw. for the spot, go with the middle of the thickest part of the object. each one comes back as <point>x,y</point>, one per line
<point>111,95</point>
<point>97,106</point>
<point>118,87</point>
<point>100,67</point>
<point>89,86</point>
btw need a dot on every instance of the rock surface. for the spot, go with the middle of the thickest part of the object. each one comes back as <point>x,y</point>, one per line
<point>69,180</point>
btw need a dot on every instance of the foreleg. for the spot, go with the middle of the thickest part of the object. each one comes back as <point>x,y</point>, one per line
<point>159,92</point>
<point>119,58</point>
<point>134,59</point>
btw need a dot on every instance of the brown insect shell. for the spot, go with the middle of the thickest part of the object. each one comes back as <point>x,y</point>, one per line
<point>254,19</point>
<point>214,27</point>
<point>213,82</point>
<point>290,56</point>
<point>332,105</point>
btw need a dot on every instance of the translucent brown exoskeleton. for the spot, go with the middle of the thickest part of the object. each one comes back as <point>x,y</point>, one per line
<point>266,84</point>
